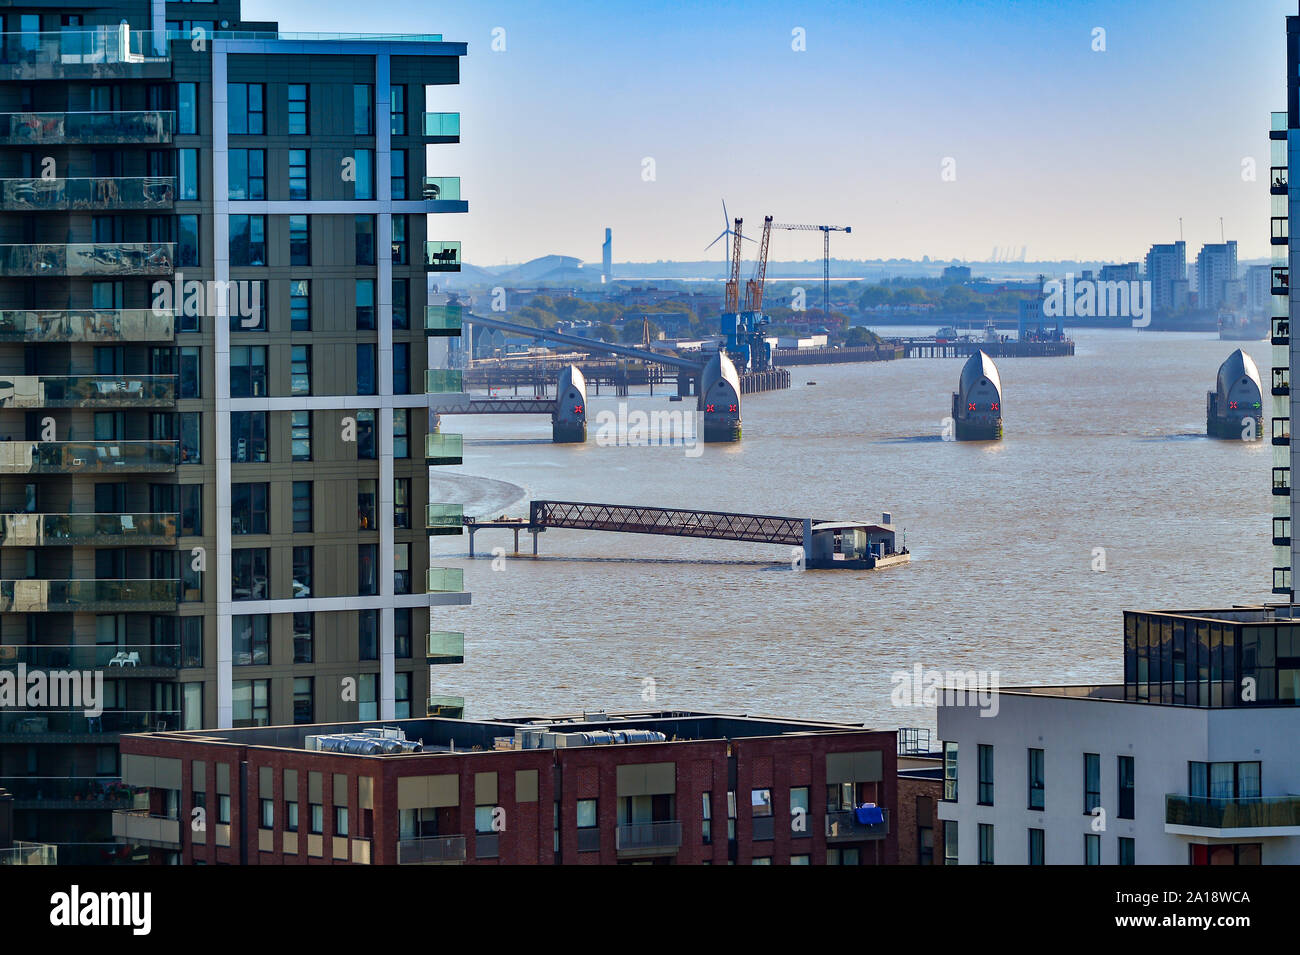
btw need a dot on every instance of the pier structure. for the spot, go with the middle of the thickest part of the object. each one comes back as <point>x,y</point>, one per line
<point>1235,408</point>
<point>568,409</point>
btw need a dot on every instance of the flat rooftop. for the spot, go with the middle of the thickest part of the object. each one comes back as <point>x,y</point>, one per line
<point>458,735</point>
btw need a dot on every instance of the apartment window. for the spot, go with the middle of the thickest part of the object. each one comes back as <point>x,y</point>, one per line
<point>250,640</point>
<point>1091,781</point>
<point>1126,851</point>
<point>187,240</point>
<point>191,510</point>
<point>1035,846</point>
<point>188,437</point>
<point>303,627</point>
<point>340,820</point>
<point>402,503</point>
<point>1224,780</point>
<point>365,435</point>
<point>191,642</point>
<point>188,367</point>
<point>950,772</point>
<point>302,507</point>
<point>397,110</point>
<point>1037,784</point>
<point>291,816</point>
<point>401,368</point>
<point>298,111</point>
<point>367,569</point>
<point>364,185</point>
<point>402,696</point>
<point>397,173</point>
<point>248,437</point>
<point>706,814</point>
<point>365,299</point>
<point>223,805</point>
<point>302,570</point>
<point>248,508</point>
<point>267,813</point>
<point>402,633</point>
<point>950,842</point>
<point>401,568</point>
<point>366,505</point>
<point>249,573</point>
<point>248,240</point>
<point>986,843</point>
<point>247,174</point>
<point>246,103</point>
<point>298,174</point>
<point>247,371</point>
<point>187,108</point>
<point>986,774</point>
<point>399,243</point>
<point>587,814</point>
<point>1126,787</point>
<point>363,117</point>
<point>299,304</point>
<point>401,304</point>
<point>317,811</point>
<point>300,370</point>
<point>187,174</point>
<point>1091,848</point>
<point>368,635</point>
<point>365,252</point>
<point>300,435</point>
<point>367,374</point>
<point>299,241</point>
<point>401,433</point>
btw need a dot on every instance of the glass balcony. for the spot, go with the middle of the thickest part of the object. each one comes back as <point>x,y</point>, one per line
<point>439,381</point>
<point>1280,230</point>
<point>88,258</point>
<point>439,449</point>
<point>649,836</point>
<point>139,192</point>
<point>448,707</point>
<point>446,646</point>
<point>120,126</point>
<point>1278,125</point>
<point>1259,812</point>
<point>77,792</point>
<point>103,52</point>
<point>1277,179</point>
<point>1281,381</point>
<point>442,256</point>
<point>1281,330</point>
<point>442,187</point>
<point>431,849</point>
<point>1281,278</point>
<point>444,518</point>
<point>126,657</point>
<point>88,457</point>
<point>29,724</point>
<point>844,827</point>
<point>442,320</point>
<point>64,530</point>
<point>88,391</point>
<point>441,127</point>
<point>445,580</point>
<point>29,853</point>
<point>86,596</point>
<point>88,325</point>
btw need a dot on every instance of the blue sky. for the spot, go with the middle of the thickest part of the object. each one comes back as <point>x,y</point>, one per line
<point>1068,151</point>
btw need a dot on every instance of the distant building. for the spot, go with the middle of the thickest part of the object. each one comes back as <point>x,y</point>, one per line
<point>1216,265</point>
<point>607,258</point>
<point>1166,266</point>
<point>1259,294</point>
<point>1123,272</point>
<point>955,274</point>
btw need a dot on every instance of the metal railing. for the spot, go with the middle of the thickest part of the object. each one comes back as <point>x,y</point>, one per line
<point>95,457</point>
<point>97,791</point>
<point>88,258</point>
<point>87,391</point>
<point>112,656</point>
<point>88,325</point>
<point>1246,812</point>
<point>138,192</point>
<point>117,126</point>
<point>649,835</point>
<point>431,849</point>
<point>84,595</point>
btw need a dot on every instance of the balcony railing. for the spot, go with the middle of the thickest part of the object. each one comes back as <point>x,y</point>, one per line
<point>104,52</point>
<point>442,320</point>
<point>844,827</point>
<point>35,195</point>
<point>644,836</point>
<point>88,258</point>
<point>92,457</point>
<point>121,126</point>
<point>450,707</point>
<point>1259,812</point>
<point>92,792</point>
<point>110,656</point>
<point>442,256</point>
<point>88,325</point>
<point>61,530</point>
<point>1281,277</point>
<point>445,580</point>
<point>431,849</point>
<point>444,449</point>
<point>1281,330</point>
<point>446,646</point>
<point>88,595</point>
<point>88,391</point>
<point>36,723</point>
<point>439,381</point>
<point>1278,122</point>
<point>441,127</point>
<point>442,187</point>
<point>444,518</point>
<point>139,827</point>
<point>1277,180</point>
<point>1280,229</point>
<point>29,853</point>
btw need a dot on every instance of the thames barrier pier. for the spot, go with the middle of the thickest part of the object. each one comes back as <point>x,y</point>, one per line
<point>977,405</point>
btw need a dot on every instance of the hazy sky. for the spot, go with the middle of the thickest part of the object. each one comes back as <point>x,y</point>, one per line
<point>1070,152</point>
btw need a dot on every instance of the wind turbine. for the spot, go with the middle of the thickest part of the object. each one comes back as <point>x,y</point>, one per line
<point>723,235</point>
